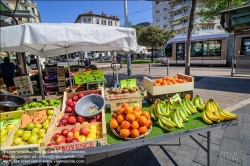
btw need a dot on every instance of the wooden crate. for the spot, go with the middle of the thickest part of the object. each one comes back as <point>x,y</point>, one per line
<point>57,109</point>
<point>30,148</point>
<point>168,89</point>
<point>67,95</point>
<point>115,104</point>
<point>74,146</point>
<point>121,96</point>
<point>8,117</point>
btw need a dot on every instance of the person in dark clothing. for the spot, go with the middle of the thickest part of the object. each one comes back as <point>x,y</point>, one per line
<point>8,72</point>
<point>87,63</point>
<point>33,62</point>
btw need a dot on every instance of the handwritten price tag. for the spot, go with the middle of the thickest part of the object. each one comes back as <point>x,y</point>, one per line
<point>129,82</point>
<point>175,98</point>
<point>37,117</point>
<point>91,76</point>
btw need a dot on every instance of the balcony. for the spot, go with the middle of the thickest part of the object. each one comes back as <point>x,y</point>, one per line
<point>185,13</point>
<point>178,17</point>
<point>183,4</point>
<point>171,18</point>
<point>185,24</point>
<point>177,27</point>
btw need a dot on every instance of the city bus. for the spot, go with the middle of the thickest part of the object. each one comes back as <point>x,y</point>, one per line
<point>206,49</point>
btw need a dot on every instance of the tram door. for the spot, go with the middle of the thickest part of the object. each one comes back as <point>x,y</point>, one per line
<point>180,53</point>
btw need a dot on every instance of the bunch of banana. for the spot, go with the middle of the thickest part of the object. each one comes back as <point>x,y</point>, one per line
<point>188,106</point>
<point>199,104</point>
<point>151,112</point>
<point>165,123</point>
<point>175,117</point>
<point>213,113</point>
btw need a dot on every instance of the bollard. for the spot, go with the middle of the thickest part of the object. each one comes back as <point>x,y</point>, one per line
<point>149,65</point>
<point>167,65</point>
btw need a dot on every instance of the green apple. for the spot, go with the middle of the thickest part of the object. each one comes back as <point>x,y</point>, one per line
<point>47,121</point>
<point>49,117</point>
<point>41,131</point>
<point>33,139</point>
<point>19,133</point>
<point>16,141</point>
<point>42,135</point>
<point>26,131</point>
<point>46,126</point>
<point>35,131</point>
<point>22,143</point>
<point>39,141</point>
<point>82,138</point>
<point>26,136</point>
<point>43,101</point>
<point>39,126</point>
<point>30,126</point>
<point>50,112</point>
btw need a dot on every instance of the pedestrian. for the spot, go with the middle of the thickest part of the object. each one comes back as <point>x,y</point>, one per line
<point>8,72</point>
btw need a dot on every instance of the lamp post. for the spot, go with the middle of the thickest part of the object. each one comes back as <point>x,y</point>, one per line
<point>129,70</point>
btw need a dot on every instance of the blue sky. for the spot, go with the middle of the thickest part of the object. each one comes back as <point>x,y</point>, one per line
<point>67,11</point>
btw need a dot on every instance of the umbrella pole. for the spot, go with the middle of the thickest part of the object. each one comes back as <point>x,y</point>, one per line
<point>69,71</point>
<point>40,77</point>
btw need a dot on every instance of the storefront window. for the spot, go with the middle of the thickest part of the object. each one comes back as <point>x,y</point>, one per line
<point>245,46</point>
<point>212,48</point>
<point>196,49</point>
<point>168,50</point>
<point>180,51</point>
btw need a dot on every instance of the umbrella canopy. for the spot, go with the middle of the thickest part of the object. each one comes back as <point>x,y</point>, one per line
<point>48,40</point>
<point>141,49</point>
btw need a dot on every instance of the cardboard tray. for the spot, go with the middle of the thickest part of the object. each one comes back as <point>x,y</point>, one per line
<point>166,89</point>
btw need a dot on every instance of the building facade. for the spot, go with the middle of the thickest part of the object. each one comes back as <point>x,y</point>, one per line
<point>25,5</point>
<point>103,19</point>
<point>175,16</point>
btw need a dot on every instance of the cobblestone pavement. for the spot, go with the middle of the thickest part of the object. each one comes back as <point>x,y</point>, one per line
<point>228,147</point>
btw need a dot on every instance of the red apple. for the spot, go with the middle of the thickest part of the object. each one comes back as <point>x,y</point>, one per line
<point>77,123</point>
<point>68,109</point>
<point>52,144</point>
<point>93,120</point>
<point>74,114</point>
<point>54,137</point>
<point>74,129</point>
<point>65,116</point>
<point>72,120</point>
<point>98,117</point>
<point>84,131</point>
<point>67,124</point>
<point>75,98</point>
<point>70,134</point>
<point>68,139</point>
<point>62,142</point>
<point>68,101</point>
<point>63,121</point>
<point>60,125</point>
<point>73,140</point>
<point>80,119</point>
<point>74,103</point>
<point>64,132</point>
<point>60,138</point>
<point>80,95</point>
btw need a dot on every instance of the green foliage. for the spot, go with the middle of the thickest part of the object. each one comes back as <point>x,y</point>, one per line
<point>153,36</point>
<point>211,9</point>
<point>138,29</point>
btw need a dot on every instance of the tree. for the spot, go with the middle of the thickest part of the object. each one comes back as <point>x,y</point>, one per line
<point>138,29</point>
<point>211,9</point>
<point>154,37</point>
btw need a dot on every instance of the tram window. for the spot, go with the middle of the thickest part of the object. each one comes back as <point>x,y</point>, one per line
<point>245,46</point>
<point>196,49</point>
<point>212,48</point>
<point>180,50</point>
<point>168,50</point>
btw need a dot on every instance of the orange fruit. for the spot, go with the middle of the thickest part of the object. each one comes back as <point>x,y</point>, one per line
<point>125,124</point>
<point>124,133</point>
<point>136,114</point>
<point>134,133</point>
<point>143,129</point>
<point>136,108</point>
<point>120,118</point>
<point>114,116</point>
<point>146,114</point>
<point>143,120</point>
<point>135,125</point>
<point>170,83</point>
<point>130,118</point>
<point>125,105</point>
<point>149,123</point>
<point>113,123</point>
<point>159,80</point>
<point>128,110</point>
<point>121,111</point>
<point>164,82</point>
<point>118,128</point>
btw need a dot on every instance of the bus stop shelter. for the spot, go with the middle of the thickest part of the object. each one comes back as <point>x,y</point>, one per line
<point>237,22</point>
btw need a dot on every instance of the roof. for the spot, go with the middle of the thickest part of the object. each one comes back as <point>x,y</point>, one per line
<point>144,24</point>
<point>101,15</point>
<point>198,37</point>
<point>233,9</point>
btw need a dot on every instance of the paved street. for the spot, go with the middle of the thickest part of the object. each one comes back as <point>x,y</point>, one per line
<point>229,147</point>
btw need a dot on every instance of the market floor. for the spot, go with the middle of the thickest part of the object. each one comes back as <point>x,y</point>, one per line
<point>229,146</point>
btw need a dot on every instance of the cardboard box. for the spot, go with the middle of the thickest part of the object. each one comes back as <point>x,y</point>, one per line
<point>167,89</point>
<point>115,104</point>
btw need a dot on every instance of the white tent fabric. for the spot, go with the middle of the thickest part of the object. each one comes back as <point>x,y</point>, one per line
<point>47,40</point>
<point>141,49</point>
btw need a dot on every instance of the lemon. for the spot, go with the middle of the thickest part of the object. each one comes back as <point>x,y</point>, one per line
<point>10,127</point>
<point>92,127</point>
<point>93,131</point>
<point>99,127</point>
<point>4,132</point>
<point>89,139</point>
<point>91,135</point>
<point>98,136</point>
<point>99,133</point>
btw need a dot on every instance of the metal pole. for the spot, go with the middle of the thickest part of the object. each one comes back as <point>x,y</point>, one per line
<point>70,81</point>
<point>167,65</point>
<point>129,68</point>
<point>208,148</point>
<point>232,65</point>
<point>40,77</point>
<point>129,71</point>
<point>149,65</point>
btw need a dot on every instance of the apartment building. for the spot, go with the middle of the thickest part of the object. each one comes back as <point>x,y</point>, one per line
<point>24,5</point>
<point>103,19</point>
<point>172,15</point>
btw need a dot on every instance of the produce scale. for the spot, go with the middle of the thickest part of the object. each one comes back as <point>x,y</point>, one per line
<point>109,119</point>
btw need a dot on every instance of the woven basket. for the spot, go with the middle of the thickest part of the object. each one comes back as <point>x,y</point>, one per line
<point>130,138</point>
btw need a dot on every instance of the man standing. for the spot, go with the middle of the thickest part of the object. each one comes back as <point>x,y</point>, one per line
<point>33,63</point>
<point>8,72</point>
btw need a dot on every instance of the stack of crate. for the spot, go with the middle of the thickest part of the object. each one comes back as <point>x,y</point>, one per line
<point>61,79</point>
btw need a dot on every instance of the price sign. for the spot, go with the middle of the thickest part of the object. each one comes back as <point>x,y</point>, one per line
<point>81,78</point>
<point>5,123</point>
<point>91,76</point>
<point>175,98</point>
<point>37,117</point>
<point>128,82</point>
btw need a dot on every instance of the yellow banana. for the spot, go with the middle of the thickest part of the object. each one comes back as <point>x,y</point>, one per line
<point>211,116</point>
<point>189,107</point>
<point>185,107</point>
<point>175,120</point>
<point>162,126</point>
<point>165,123</point>
<point>181,114</point>
<point>218,115</point>
<point>200,100</point>
<point>204,117</point>
<point>155,110</point>
<point>168,120</point>
<point>152,112</point>
<point>197,104</point>
<point>232,116</point>
<point>224,115</point>
<point>209,107</point>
